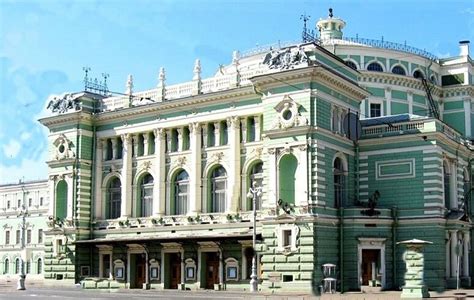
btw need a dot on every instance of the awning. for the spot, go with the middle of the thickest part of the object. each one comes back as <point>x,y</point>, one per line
<point>171,238</point>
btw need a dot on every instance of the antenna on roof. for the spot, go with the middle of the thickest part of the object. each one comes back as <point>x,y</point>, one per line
<point>306,35</point>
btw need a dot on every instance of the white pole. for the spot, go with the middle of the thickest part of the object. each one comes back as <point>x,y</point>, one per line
<point>253,193</point>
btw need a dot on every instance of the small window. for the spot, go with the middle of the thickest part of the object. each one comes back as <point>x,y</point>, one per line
<point>375,67</point>
<point>231,269</point>
<point>375,110</point>
<point>39,266</point>
<point>154,273</point>
<point>8,204</point>
<point>287,278</point>
<point>418,74</point>
<point>119,273</point>
<point>41,201</point>
<point>40,236</point>
<point>28,236</point>
<point>6,266</point>
<point>19,203</point>
<point>351,64</point>
<point>287,238</point>
<point>18,237</point>
<point>85,271</point>
<point>190,268</point>
<point>398,70</point>
<point>30,202</point>
<point>7,237</point>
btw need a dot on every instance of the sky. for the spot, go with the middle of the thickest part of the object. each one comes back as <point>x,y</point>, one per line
<point>45,44</point>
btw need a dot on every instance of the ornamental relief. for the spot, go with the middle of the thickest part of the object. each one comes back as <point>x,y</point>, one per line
<point>63,148</point>
<point>288,114</point>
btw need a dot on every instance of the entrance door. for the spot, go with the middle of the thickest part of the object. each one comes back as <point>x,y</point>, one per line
<point>175,270</point>
<point>212,270</point>
<point>370,265</point>
<point>140,271</point>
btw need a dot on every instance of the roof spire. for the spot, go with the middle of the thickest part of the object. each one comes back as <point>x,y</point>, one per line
<point>330,13</point>
<point>129,85</point>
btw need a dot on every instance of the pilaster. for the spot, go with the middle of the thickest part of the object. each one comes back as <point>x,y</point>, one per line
<point>195,180</point>
<point>160,173</point>
<point>233,125</point>
<point>126,176</point>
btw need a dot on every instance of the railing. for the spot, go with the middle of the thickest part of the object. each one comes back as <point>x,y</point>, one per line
<point>402,127</point>
<point>384,45</point>
<point>177,220</point>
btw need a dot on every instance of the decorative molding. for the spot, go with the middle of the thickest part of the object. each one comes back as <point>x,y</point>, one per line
<point>289,115</point>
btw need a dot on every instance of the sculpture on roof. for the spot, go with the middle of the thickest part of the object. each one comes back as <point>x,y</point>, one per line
<point>64,104</point>
<point>285,58</point>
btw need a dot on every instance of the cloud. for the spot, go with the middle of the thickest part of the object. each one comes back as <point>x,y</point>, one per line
<point>11,149</point>
<point>25,136</point>
<point>29,169</point>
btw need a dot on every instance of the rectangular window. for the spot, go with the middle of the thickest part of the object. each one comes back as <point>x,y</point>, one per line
<point>40,236</point>
<point>287,238</point>
<point>41,201</point>
<point>19,203</point>
<point>375,110</point>
<point>8,204</point>
<point>18,236</point>
<point>7,237</point>
<point>30,202</point>
<point>28,236</point>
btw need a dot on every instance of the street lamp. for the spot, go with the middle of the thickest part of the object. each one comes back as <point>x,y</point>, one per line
<point>23,214</point>
<point>254,193</point>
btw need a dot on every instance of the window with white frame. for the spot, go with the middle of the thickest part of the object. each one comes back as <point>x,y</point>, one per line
<point>339,175</point>
<point>154,269</point>
<point>114,198</point>
<point>256,176</point>
<point>39,266</point>
<point>40,236</point>
<point>449,182</point>
<point>146,203</point>
<point>119,268</point>
<point>231,269</point>
<point>287,235</point>
<point>375,110</point>
<point>181,188</point>
<point>6,266</point>
<point>375,67</point>
<point>28,236</point>
<point>399,70</point>
<point>7,237</point>
<point>218,189</point>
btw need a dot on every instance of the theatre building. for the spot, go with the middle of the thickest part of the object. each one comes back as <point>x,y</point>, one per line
<point>150,189</point>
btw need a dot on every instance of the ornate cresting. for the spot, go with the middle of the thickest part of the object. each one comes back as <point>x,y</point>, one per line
<point>414,287</point>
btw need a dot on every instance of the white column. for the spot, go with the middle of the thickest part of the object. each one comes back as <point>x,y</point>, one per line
<point>104,149</point>
<point>388,100</point>
<point>410,102</point>
<point>147,270</point>
<point>454,244</point>
<point>159,196</point>
<point>272,194</point>
<point>302,195</point>
<point>198,268</point>
<point>217,136</point>
<point>126,176</point>
<point>70,196</point>
<point>52,197</point>
<point>195,176</point>
<point>467,116</point>
<point>179,131</point>
<point>145,144</point>
<point>182,268</point>
<point>162,269</point>
<point>257,128</point>
<point>221,270</point>
<point>98,179</point>
<point>135,145</point>
<point>243,123</point>
<point>244,263</point>
<point>448,255</point>
<point>453,199</point>
<point>168,140</point>
<point>204,136</point>
<point>234,164</point>
<point>114,148</point>
<point>465,262</point>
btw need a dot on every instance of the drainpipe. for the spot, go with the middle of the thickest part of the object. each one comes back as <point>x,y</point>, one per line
<point>394,245</point>
<point>93,200</point>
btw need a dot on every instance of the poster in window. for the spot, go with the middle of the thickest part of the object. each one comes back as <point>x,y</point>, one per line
<point>190,273</point>
<point>154,272</point>
<point>232,273</point>
<point>119,273</point>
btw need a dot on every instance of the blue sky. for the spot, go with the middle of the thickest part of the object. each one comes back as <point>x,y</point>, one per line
<point>45,44</point>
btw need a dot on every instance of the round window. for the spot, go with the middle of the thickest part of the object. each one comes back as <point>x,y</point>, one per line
<point>287,114</point>
<point>61,149</point>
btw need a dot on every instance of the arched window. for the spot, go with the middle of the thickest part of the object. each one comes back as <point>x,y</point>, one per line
<point>39,266</point>
<point>146,196</point>
<point>256,176</point>
<point>218,189</point>
<point>351,64</point>
<point>339,183</point>
<point>61,199</point>
<point>6,266</point>
<point>335,119</point>
<point>399,70</point>
<point>181,189</point>
<point>286,178</point>
<point>17,266</point>
<point>418,74</point>
<point>375,67</point>
<point>114,198</point>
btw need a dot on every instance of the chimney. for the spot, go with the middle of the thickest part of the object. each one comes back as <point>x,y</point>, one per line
<point>464,48</point>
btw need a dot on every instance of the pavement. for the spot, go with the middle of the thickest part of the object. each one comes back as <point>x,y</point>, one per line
<point>8,291</point>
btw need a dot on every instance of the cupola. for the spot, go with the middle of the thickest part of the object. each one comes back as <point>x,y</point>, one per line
<point>331,27</point>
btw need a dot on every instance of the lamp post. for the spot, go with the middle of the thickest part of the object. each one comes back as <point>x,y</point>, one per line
<point>254,193</point>
<point>23,213</point>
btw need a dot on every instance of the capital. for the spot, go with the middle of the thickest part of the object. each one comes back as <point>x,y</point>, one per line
<point>233,122</point>
<point>126,138</point>
<point>159,133</point>
<point>194,127</point>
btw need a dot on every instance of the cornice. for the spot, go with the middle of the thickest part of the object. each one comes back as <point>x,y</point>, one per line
<point>66,119</point>
<point>173,105</point>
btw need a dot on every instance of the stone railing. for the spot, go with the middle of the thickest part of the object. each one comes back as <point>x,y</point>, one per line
<point>388,128</point>
<point>177,220</point>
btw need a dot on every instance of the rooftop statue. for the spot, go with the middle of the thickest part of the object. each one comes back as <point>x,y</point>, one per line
<point>285,58</point>
<point>64,104</point>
